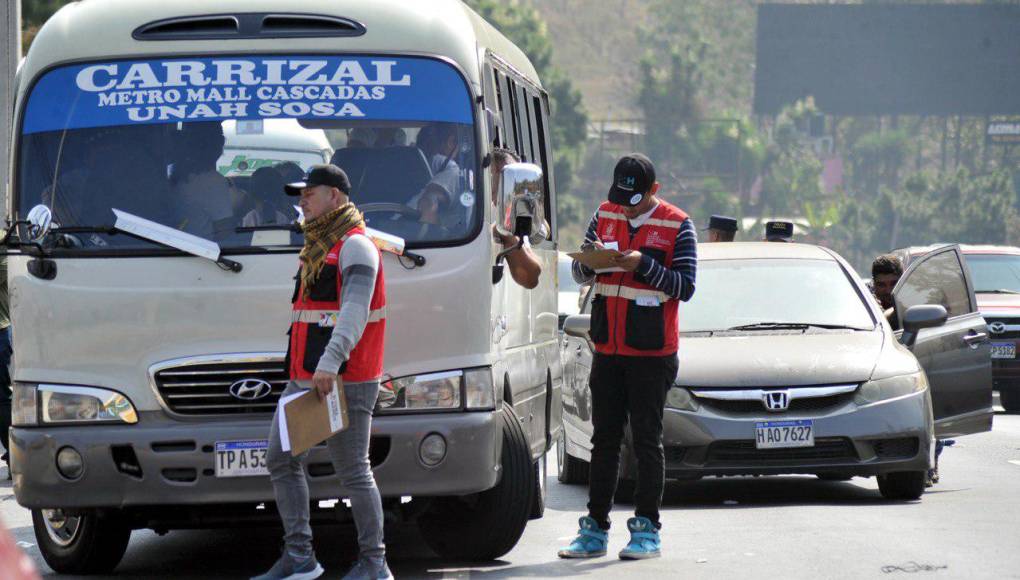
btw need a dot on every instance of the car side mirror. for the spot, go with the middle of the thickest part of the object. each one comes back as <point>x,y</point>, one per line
<point>919,317</point>
<point>577,325</point>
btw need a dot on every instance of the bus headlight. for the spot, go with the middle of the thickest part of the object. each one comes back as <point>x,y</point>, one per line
<point>71,404</point>
<point>433,392</point>
<point>890,388</point>
<point>479,390</point>
<point>24,405</point>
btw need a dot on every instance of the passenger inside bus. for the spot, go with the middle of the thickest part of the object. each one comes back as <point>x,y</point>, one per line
<point>207,201</point>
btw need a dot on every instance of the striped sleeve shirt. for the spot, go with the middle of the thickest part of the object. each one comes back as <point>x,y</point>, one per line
<point>677,281</point>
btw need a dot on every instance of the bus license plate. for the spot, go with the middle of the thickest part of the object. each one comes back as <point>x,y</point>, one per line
<point>241,458</point>
<point>1003,350</point>
<point>780,434</point>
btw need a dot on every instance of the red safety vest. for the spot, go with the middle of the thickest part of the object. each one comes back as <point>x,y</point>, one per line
<point>314,317</point>
<point>630,317</point>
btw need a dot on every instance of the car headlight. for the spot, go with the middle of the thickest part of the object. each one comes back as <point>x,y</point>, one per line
<point>69,404</point>
<point>890,388</point>
<point>680,398</point>
<point>433,392</point>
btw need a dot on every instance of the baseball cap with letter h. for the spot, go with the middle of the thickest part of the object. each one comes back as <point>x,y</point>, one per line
<point>633,177</point>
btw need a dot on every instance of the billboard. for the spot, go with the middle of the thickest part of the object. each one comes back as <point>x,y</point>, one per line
<point>916,59</point>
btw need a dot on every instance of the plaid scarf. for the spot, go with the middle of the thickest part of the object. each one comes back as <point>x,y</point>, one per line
<point>321,234</point>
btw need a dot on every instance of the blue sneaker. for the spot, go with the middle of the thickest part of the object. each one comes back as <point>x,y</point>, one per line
<point>590,541</point>
<point>290,568</point>
<point>644,540</point>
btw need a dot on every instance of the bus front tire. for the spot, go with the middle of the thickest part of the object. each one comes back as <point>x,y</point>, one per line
<point>486,525</point>
<point>83,542</point>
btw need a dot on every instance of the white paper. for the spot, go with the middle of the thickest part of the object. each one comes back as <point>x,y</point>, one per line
<point>281,415</point>
<point>336,417</point>
<point>611,246</point>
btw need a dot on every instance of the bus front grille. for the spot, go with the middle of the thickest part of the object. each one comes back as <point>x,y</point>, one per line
<point>223,387</point>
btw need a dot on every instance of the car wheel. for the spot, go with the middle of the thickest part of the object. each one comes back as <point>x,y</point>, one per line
<point>1010,401</point>
<point>902,484</point>
<point>571,469</point>
<point>486,525</point>
<point>80,542</point>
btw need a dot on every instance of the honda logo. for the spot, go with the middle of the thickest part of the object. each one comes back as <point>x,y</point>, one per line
<point>250,389</point>
<point>776,400</point>
<point>997,327</point>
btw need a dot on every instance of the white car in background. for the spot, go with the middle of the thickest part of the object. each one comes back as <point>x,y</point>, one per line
<point>569,291</point>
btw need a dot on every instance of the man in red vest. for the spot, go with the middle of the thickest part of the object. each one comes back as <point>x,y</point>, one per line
<point>337,329</point>
<point>634,328</point>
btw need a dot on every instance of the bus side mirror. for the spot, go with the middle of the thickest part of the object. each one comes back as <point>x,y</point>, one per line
<point>40,220</point>
<point>521,202</point>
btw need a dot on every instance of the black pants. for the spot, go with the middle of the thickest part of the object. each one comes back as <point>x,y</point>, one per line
<point>622,388</point>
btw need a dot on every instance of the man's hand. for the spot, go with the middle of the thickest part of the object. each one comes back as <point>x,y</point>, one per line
<point>324,384</point>
<point>629,261</point>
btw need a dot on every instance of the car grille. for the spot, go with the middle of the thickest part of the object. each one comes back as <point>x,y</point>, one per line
<point>895,448</point>
<point>813,404</point>
<point>1007,322</point>
<point>744,452</point>
<point>204,388</point>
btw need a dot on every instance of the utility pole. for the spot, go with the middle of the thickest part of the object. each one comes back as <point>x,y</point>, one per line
<point>11,47</point>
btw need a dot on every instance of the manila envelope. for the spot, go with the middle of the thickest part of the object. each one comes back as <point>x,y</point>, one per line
<point>598,260</point>
<point>309,421</point>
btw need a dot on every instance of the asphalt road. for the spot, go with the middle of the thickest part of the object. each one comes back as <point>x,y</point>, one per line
<point>789,527</point>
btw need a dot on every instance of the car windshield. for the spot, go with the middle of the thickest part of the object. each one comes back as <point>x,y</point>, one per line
<point>772,292</point>
<point>206,145</point>
<point>994,272</point>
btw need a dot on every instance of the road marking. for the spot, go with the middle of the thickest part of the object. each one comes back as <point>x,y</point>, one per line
<point>1015,462</point>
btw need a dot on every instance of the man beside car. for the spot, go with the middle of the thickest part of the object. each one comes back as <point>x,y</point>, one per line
<point>885,273</point>
<point>635,332</point>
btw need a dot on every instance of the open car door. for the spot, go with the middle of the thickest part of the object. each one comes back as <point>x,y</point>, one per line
<point>956,356</point>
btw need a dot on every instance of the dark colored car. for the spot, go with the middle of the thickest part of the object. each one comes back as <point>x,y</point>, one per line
<point>787,365</point>
<point>996,274</point>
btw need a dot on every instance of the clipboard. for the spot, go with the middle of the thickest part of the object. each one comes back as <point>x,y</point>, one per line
<point>598,260</point>
<point>306,421</point>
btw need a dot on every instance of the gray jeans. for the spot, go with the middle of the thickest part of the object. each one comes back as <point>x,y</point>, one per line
<point>348,451</point>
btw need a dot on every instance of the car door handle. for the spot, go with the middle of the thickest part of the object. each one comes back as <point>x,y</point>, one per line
<point>973,339</point>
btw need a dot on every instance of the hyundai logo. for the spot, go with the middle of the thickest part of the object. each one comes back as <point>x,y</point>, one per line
<point>997,327</point>
<point>776,400</point>
<point>250,389</point>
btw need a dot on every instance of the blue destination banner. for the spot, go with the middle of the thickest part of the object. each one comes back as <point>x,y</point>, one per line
<point>208,89</point>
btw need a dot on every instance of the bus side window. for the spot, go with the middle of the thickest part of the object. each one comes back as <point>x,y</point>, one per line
<point>506,107</point>
<point>543,160</point>
<point>490,94</point>
<point>523,121</point>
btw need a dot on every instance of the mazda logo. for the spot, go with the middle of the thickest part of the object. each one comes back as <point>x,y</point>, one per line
<point>250,389</point>
<point>776,400</point>
<point>997,327</point>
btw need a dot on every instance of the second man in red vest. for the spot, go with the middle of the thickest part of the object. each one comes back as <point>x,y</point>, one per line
<point>634,328</point>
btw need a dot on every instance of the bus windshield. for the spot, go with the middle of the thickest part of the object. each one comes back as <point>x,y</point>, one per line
<point>205,145</point>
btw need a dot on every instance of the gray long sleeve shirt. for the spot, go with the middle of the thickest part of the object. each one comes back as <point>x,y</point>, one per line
<point>358,265</point>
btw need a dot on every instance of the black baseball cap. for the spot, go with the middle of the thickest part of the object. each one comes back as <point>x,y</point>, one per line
<point>722,223</point>
<point>633,177</point>
<point>330,175</point>
<point>778,231</point>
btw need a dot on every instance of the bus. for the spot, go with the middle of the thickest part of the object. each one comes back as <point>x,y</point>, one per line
<point>150,315</point>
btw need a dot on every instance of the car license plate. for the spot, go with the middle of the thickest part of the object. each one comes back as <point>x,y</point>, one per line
<point>241,458</point>
<point>1003,350</point>
<point>780,434</point>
